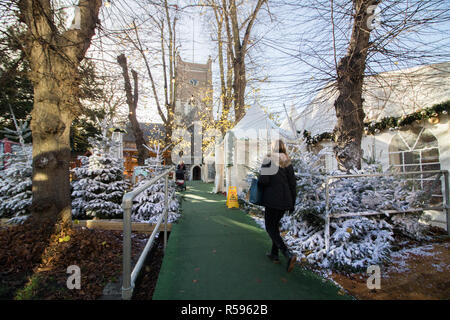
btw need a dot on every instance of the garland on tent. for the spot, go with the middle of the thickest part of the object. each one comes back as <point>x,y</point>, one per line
<point>391,123</point>
<point>355,242</point>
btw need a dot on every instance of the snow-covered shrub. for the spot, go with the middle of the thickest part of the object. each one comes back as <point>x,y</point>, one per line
<point>98,186</point>
<point>409,226</point>
<point>309,177</point>
<point>378,193</point>
<point>149,205</point>
<point>15,183</point>
<point>355,242</point>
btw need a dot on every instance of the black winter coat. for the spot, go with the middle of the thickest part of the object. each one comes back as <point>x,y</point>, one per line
<point>279,190</point>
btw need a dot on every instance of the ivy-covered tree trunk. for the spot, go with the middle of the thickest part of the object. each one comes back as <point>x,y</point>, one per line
<point>54,59</point>
<point>350,76</point>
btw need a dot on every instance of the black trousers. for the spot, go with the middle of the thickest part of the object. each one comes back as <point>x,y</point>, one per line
<point>272,219</point>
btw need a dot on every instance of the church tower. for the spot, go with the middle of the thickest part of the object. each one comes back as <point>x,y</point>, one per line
<point>193,102</point>
<point>193,92</point>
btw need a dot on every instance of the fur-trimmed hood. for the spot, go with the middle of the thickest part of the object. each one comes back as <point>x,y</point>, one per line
<point>278,183</point>
<point>279,159</point>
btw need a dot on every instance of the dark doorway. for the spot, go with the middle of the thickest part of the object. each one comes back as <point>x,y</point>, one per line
<point>196,173</point>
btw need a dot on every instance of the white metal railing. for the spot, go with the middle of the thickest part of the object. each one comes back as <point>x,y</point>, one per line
<point>129,277</point>
<point>445,205</point>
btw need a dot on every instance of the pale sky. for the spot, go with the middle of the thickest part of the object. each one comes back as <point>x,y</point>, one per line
<point>279,40</point>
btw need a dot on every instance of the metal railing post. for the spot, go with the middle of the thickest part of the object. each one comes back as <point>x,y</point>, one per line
<point>166,209</point>
<point>127,289</point>
<point>445,205</point>
<point>327,216</point>
<point>447,200</point>
<point>129,277</point>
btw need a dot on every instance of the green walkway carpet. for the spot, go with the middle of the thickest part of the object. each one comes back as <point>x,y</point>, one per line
<point>219,253</point>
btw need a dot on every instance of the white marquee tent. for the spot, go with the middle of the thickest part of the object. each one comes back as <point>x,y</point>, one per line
<point>391,94</point>
<point>243,148</point>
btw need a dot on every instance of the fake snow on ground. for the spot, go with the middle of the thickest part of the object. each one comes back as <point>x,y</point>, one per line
<point>399,261</point>
<point>419,272</point>
<point>400,258</point>
<point>415,271</point>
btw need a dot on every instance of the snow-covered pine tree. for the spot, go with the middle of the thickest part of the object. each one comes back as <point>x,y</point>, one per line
<point>15,183</point>
<point>355,242</point>
<point>98,185</point>
<point>149,205</point>
<point>16,176</point>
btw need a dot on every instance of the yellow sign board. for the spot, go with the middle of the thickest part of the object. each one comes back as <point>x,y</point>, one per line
<point>232,198</point>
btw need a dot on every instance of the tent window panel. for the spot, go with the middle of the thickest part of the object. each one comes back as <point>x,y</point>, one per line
<point>247,152</point>
<point>211,172</point>
<point>426,140</point>
<point>430,156</point>
<point>253,154</point>
<point>395,158</point>
<point>433,166</point>
<point>418,151</point>
<point>411,167</point>
<point>323,162</point>
<point>411,158</point>
<point>409,139</point>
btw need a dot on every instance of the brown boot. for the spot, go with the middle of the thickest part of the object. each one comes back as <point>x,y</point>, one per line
<point>291,259</point>
<point>291,263</point>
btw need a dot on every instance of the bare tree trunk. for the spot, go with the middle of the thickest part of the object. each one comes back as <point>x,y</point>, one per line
<point>141,50</point>
<point>168,121</point>
<point>240,52</point>
<point>239,86</point>
<point>172,78</point>
<point>164,65</point>
<point>219,15</point>
<point>348,105</point>
<point>230,57</point>
<point>132,101</point>
<point>229,86</point>
<point>166,26</point>
<point>54,59</point>
<point>50,126</point>
<point>238,65</point>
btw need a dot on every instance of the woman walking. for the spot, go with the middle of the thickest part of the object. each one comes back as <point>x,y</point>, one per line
<point>277,180</point>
